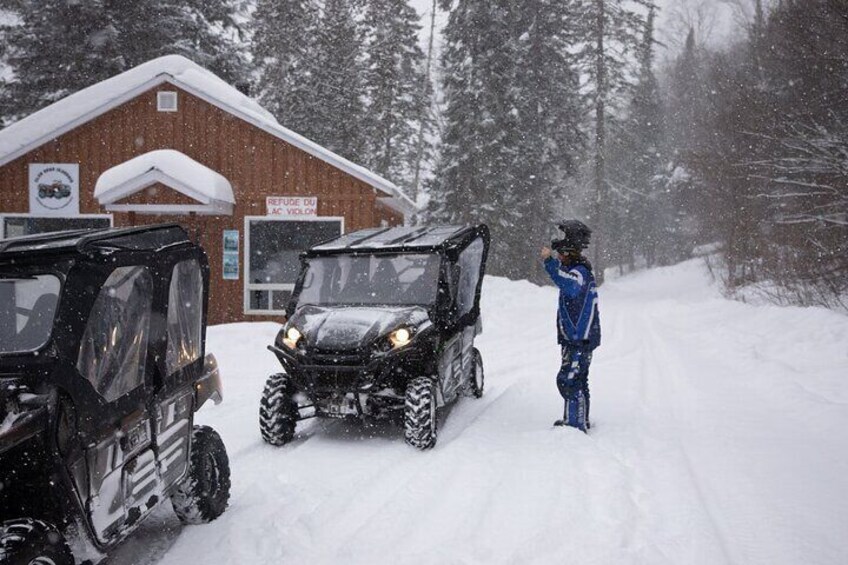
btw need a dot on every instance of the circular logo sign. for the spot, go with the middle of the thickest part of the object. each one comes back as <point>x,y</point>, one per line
<point>53,186</point>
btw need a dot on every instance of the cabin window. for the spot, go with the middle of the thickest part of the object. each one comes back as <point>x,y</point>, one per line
<point>185,316</point>
<point>166,101</point>
<point>272,258</point>
<point>114,346</point>
<point>15,226</point>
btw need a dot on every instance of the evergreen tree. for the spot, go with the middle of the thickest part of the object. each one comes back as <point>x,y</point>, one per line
<point>466,188</point>
<point>62,46</point>
<point>545,89</point>
<point>638,202</point>
<point>427,112</point>
<point>285,33</point>
<point>202,30</point>
<point>512,125</point>
<point>59,48</point>
<point>337,94</point>
<point>686,102</point>
<point>10,18</point>
<point>393,87</point>
<point>686,97</point>
<point>610,29</point>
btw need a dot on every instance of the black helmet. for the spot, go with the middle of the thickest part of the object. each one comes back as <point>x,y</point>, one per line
<point>576,236</point>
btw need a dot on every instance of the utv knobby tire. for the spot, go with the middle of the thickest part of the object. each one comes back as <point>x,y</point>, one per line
<point>278,410</point>
<point>32,542</point>
<point>477,378</point>
<point>204,494</point>
<point>419,415</point>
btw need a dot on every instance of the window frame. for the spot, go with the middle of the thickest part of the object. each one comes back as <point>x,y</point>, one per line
<point>247,286</point>
<point>164,94</point>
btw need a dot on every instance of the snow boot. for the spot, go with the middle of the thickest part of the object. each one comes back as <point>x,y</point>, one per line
<point>574,414</point>
<point>562,423</point>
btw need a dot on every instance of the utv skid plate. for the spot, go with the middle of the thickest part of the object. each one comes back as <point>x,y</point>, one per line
<point>339,401</point>
<point>354,406</point>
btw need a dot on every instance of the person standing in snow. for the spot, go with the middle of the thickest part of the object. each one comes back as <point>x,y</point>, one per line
<point>578,322</point>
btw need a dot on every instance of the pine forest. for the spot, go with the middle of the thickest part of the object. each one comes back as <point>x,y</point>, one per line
<point>518,114</point>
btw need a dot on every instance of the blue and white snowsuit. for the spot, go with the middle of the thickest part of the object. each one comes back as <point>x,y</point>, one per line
<point>579,333</point>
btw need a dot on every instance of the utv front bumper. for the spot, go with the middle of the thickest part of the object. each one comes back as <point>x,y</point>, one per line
<point>315,372</point>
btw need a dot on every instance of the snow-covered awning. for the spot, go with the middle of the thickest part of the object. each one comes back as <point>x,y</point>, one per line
<point>211,191</point>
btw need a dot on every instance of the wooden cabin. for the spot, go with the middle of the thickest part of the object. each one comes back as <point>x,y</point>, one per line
<point>168,141</point>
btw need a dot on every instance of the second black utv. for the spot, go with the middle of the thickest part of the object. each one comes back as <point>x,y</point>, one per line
<point>381,324</point>
<point>102,367</point>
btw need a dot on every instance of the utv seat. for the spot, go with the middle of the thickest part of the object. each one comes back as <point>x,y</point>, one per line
<point>39,324</point>
<point>422,285</point>
<point>358,283</point>
<point>386,281</point>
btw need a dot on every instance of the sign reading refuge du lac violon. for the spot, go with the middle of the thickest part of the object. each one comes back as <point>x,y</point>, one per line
<point>292,206</point>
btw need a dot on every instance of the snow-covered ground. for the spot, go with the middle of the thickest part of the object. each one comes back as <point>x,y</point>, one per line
<point>720,435</point>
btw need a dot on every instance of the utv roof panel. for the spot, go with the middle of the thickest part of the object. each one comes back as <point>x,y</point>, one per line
<point>386,239</point>
<point>147,238</point>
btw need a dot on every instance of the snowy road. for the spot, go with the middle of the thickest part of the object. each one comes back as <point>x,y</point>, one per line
<point>719,436</point>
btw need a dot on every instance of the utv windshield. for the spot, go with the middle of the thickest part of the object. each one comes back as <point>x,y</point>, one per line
<point>27,307</point>
<point>393,280</point>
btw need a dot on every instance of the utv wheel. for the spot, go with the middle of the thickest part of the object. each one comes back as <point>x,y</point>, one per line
<point>419,416</point>
<point>33,542</point>
<point>206,490</point>
<point>476,379</point>
<point>278,411</point>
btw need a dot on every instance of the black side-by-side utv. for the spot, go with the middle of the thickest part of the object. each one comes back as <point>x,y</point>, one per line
<point>102,366</point>
<point>381,324</point>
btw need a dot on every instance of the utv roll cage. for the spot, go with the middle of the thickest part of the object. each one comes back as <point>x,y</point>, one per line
<point>443,240</point>
<point>84,241</point>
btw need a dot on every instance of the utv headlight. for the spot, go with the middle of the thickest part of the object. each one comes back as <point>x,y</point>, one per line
<point>292,337</point>
<point>400,337</point>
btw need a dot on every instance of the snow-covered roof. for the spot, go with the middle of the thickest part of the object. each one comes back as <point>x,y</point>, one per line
<point>170,167</point>
<point>80,107</point>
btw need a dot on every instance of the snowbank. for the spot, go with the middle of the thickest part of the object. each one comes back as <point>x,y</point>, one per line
<point>719,434</point>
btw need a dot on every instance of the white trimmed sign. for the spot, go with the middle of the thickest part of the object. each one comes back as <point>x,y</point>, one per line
<point>54,189</point>
<point>293,206</point>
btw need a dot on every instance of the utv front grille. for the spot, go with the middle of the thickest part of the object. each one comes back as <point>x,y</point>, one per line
<point>333,381</point>
<point>338,360</point>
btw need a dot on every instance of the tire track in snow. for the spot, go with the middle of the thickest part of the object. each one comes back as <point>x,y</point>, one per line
<point>649,440</point>
<point>627,443</point>
<point>671,377</point>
